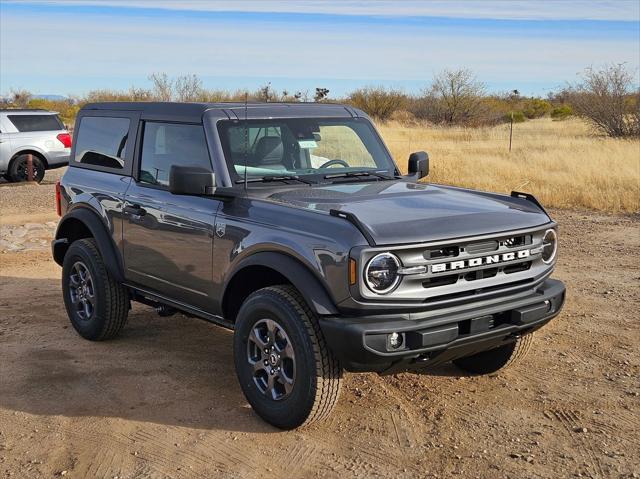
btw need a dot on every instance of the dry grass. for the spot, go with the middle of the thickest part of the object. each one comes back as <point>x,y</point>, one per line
<point>562,163</point>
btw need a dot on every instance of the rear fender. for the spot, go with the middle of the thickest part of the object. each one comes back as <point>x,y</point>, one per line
<point>83,222</point>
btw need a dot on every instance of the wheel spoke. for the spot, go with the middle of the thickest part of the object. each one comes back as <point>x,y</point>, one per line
<point>91,300</point>
<point>271,382</point>
<point>87,308</point>
<point>257,365</point>
<point>273,328</point>
<point>254,336</point>
<point>285,381</point>
<point>286,351</point>
<point>90,291</point>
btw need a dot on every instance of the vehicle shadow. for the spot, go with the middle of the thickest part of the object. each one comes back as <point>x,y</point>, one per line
<point>174,371</point>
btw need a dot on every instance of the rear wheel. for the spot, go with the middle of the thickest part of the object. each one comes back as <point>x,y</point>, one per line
<point>96,303</point>
<point>496,359</point>
<point>19,170</point>
<point>285,369</point>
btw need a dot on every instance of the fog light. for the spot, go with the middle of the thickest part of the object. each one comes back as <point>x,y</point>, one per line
<point>395,340</point>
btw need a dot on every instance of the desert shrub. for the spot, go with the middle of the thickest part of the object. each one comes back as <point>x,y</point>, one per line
<point>404,117</point>
<point>608,99</point>
<point>19,98</point>
<point>67,109</point>
<point>133,94</point>
<point>561,112</point>
<point>378,102</point>
<point>455,97</point>
<point>518,117</point>
<point>536,108</point>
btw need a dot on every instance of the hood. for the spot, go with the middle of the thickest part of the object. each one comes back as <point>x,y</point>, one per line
<point>399,212</point>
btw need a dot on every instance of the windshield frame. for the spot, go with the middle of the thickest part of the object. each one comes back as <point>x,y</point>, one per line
<point>318,176</point>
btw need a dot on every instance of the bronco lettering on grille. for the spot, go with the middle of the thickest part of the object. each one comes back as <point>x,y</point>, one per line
<point>484,260</point>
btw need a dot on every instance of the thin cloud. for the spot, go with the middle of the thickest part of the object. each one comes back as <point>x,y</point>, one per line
<point>622,10</point>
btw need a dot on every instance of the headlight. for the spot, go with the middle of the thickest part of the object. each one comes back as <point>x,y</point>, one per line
<point>549,246</point>
<point>381,273</point>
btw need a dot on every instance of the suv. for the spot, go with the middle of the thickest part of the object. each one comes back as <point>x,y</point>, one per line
<point>38,133</point>
<point>291,225</point>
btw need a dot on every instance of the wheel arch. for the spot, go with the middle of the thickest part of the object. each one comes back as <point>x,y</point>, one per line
<point>27,151</point>
<point>268,269</point>
<point>82,222</point>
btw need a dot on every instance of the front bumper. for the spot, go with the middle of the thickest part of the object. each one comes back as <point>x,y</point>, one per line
<point>362,343</point>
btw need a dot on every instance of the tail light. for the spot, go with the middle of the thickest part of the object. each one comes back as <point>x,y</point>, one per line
<point>65,139</point>
<point>58,199</point>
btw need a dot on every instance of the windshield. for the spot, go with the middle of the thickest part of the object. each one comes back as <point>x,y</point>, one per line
<point>302,147</point>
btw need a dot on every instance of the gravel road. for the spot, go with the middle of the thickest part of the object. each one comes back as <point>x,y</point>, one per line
<point>162,400</point>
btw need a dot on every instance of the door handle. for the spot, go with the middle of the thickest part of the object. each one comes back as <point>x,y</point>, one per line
<point>134,210</point>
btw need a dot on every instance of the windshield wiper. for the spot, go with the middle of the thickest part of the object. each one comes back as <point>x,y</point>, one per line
<point>357,174</point>
<point>268,179</point>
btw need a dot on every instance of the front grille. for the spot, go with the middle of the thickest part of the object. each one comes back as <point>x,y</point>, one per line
<point>467,268</point>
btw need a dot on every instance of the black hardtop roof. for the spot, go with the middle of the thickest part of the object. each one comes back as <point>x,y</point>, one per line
<point>254,109</point>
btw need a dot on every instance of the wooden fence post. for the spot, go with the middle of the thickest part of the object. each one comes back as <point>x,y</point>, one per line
<point>29,167</point>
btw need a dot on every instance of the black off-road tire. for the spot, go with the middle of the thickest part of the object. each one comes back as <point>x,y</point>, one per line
<point>500,358</point>
<point>318,373</point>
<point>111,308</point>
<point>17,169</point>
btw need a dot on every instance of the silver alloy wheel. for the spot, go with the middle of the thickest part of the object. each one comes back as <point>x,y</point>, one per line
<point>82,291</point>
<point>270,354</point>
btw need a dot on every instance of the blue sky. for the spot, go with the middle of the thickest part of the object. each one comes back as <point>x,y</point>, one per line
<point>71,47</point>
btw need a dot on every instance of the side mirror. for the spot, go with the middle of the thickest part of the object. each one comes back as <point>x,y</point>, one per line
<point>191,180</point>
<point>419,164</point>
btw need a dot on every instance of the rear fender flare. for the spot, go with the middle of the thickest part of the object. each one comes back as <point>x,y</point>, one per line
<point>100,233</point>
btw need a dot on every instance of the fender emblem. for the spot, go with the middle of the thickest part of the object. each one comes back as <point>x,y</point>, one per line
<point>221,229</point>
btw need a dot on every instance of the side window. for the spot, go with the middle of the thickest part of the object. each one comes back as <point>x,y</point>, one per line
<point>36,122</point>
<point>167,144</point>
<point>102,141</point>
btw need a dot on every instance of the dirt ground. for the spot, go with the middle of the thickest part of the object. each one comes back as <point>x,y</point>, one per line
<point>162,400</point>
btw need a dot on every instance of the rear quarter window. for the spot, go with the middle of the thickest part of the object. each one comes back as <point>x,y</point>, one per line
<point>102,141</point>
<point>36,122</point>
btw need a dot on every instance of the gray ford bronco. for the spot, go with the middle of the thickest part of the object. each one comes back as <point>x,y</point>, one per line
<point>291,225</point>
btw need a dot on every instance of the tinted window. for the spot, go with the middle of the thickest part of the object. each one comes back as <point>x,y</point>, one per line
<point>102,141</point>
<point>167,144</point>
<point>36,122</point>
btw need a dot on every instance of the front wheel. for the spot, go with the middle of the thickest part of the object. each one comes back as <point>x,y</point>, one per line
<point>502,357</point>
<point>285,369</point>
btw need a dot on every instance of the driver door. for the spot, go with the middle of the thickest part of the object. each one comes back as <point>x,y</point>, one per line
<point>168,239</point>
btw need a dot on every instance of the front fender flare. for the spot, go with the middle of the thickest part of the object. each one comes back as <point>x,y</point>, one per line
<point>311,288</point>
<point>99,231</point>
